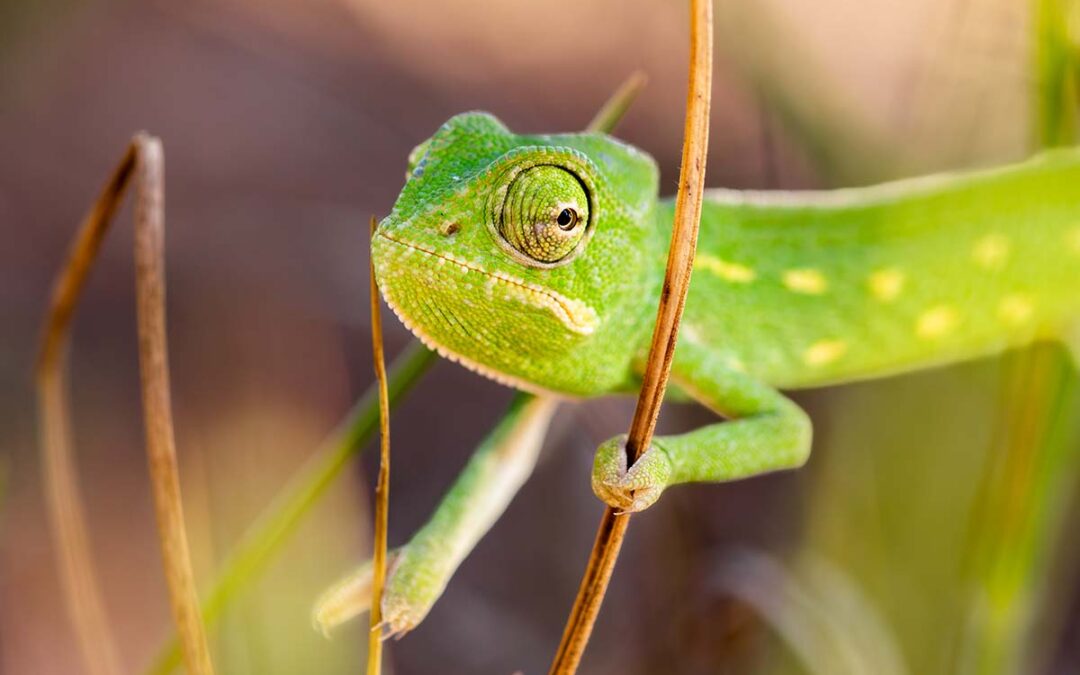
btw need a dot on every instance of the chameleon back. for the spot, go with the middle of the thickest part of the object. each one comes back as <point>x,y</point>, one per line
<point>798,289</point>
<point>804,289</point>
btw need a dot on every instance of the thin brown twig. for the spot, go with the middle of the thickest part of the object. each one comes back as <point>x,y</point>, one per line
<point>676,282</point>
<point>143,161</point>
<point>382,485</point>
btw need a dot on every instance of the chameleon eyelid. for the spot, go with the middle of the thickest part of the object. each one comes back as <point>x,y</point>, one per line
<point>513,163</point>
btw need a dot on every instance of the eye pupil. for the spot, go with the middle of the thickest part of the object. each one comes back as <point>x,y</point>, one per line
<point>567,219</point>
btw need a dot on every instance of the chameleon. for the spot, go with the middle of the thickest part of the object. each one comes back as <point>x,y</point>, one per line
<point>538,261</point>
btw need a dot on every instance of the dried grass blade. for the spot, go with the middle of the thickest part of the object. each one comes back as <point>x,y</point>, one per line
<point>157,404</point>
<point>67,514</point>
<point>382,484</point>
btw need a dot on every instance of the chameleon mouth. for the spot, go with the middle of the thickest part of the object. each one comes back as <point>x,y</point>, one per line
<point>573,314</point>
<point>446,353</point>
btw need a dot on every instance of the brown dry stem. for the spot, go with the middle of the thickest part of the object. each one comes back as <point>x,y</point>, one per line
<point>382,484</point>
<point>143,161</point>
<point>688,201</point>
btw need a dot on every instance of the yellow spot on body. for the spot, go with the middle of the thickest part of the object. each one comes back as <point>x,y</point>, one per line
<point>887,284</point>
<point>735,363</point>
<point>936,322</point>
<point>690,334</point>
<point>991,252</point>
<point>808,281</point>
<point>824,352</point>
<point>1072,240</point>
<point>728,271</point>
<point>1015,309</point>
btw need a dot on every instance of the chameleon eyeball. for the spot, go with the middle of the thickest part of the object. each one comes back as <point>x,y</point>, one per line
<point>545,213</point>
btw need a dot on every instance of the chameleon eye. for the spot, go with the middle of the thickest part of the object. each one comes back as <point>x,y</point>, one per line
<point>544,214</point>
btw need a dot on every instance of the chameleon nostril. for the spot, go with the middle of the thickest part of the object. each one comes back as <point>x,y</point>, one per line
<point>450,229</point>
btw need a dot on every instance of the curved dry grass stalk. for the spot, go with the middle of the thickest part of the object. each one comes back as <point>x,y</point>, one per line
<point>143,161</point>
<point>67,517</point>
<point>612,528</point>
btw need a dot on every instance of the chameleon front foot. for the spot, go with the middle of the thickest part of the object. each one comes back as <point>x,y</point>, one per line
<point>413,585</point>
<point>634,489</point>
<point>404,605</point>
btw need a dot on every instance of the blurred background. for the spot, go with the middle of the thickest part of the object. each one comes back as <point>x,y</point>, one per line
<point>928,534</point>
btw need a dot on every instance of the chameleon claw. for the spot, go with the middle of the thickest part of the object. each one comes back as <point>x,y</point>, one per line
<point>394,635</point>
<point>643,499</point>
<point>399,616</point>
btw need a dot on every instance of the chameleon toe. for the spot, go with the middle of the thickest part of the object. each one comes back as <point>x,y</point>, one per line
<point>634,489</point>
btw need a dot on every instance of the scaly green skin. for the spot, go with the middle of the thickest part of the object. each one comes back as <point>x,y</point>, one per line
<point>789,290</point>
<point>797,289</point>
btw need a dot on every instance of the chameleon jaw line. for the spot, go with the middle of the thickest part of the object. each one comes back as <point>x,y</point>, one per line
<point>446,353</point>
<point>574,314</point>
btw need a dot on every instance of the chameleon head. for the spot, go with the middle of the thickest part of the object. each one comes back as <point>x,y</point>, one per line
<point>514,254</point>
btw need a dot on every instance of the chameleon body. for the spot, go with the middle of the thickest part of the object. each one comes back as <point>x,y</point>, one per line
<point>538,261</point>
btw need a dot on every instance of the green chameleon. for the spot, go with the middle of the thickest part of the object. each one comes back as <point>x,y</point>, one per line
<point>537,261</point>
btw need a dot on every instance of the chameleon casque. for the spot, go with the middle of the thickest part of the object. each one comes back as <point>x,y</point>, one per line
<point>537,261</point>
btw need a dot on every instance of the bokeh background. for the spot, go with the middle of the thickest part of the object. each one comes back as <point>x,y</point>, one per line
<point>928,534</point>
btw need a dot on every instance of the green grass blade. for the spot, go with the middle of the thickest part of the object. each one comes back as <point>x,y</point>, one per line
<point>1055,66</point>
